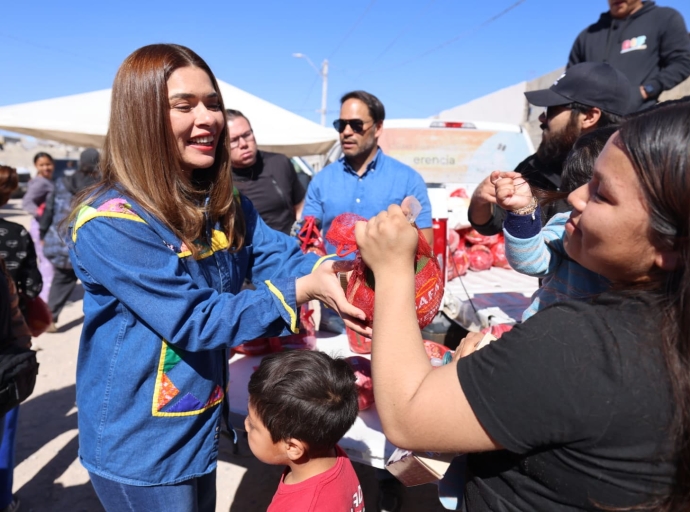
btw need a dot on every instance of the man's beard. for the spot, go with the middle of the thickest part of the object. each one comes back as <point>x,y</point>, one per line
<point>554,147</point>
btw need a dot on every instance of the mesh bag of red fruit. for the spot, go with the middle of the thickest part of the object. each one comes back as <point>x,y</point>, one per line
<point>474,238</point>
<point>498,251</point>
<point>309,237</point>
<point>360,288</point>
<point>480,258</point>
<point>305,339</point>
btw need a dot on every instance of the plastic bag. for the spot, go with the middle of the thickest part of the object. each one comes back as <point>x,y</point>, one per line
<point>480,258</point>
<point>429,280</point>
<point>498,251</point>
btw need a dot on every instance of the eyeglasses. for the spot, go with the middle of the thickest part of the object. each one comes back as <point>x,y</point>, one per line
<point>357,125</point>
<point>553,111</point>
<point>247,136</point>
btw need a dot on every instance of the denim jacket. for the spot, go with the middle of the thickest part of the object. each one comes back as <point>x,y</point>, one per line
<point>157,331</point>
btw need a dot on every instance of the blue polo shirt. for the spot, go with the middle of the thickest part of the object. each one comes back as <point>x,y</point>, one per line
<point>337,189</point>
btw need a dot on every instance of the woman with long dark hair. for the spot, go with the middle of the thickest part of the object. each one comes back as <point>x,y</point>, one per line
<point>162,246</point>
<point>586,405</point>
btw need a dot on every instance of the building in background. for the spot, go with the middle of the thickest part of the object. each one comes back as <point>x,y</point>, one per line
<point>508,105</point>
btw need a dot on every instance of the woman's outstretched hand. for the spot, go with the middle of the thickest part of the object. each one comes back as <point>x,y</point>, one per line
<point>324,285</point>
<point>387,242</point>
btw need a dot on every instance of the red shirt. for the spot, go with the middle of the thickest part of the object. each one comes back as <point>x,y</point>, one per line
<point>336,490</point>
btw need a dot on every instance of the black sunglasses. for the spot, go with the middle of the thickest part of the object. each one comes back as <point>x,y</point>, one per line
<point>357,125</point>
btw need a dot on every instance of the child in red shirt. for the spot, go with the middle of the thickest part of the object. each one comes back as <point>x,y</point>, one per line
<point>300,404</point>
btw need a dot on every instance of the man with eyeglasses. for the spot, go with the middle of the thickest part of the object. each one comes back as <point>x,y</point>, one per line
<point>268,179</point>
<point>587,96</point>
<point>364,181</point>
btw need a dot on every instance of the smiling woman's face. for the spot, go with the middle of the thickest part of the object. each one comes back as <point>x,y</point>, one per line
<point>609,229</point>
<point>196,117</point>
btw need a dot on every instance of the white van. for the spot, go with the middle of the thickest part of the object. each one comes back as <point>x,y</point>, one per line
<point>444,151</point>
<point>454,154</point>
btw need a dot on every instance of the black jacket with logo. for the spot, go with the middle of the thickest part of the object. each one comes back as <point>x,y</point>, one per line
<point>651,47</point>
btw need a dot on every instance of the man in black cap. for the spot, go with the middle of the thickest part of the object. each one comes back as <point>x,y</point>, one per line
<point>587,96</point>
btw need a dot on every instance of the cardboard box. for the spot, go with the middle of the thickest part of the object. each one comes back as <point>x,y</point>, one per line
<point>417,468</point>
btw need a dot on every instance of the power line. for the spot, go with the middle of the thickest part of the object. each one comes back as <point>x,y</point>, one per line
<point>352,29</point>
<point>85,61</point>
<point>404,31</point>
<point>458,37</point>
<point>309,91</point>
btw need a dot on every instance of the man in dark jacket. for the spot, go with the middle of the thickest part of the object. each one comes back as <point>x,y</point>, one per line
<point>648,44</point>
<point>58,208</point>
<point>268,179</point>
<point>587,96</point>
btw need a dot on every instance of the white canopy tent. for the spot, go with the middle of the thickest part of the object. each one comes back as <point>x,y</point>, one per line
<point>82,120</point>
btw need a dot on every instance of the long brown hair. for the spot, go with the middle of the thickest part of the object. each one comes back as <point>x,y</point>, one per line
<point>9,181</point>
<point>141,157</point>
<point>658,145</point>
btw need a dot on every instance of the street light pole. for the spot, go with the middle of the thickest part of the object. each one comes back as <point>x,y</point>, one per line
<point>323,73</point>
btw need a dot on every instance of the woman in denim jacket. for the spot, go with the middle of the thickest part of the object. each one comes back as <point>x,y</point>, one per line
<point>162,246</point>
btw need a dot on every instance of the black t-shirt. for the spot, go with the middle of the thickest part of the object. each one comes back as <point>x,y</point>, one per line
<point>579,398</point>
<point>271,184</point>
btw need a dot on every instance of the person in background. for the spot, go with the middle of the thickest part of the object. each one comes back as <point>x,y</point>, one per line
<point>52,232</point>
<point>364,181</point>
<point>162,246</point>
<point>16,247</point>
<point>587,96</point>
<point>33,203</point>
<point>585,405</point>
<point>301,403</point>
<point>268,179</point>
<point>647,43</point>
<point>19,260</point>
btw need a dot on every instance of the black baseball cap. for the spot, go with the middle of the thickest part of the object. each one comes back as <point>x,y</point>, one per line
<point>595,84</point>
<point>88,160</point>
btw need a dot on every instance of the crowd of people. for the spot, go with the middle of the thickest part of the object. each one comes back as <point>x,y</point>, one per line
<point>180,232</point>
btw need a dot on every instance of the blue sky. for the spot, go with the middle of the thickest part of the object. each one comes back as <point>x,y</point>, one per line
<point>419,57</point>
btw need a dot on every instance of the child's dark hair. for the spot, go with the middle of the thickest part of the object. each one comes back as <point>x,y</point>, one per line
<point>579,165</point>
<point>8,183</point>
<point>305,395</point>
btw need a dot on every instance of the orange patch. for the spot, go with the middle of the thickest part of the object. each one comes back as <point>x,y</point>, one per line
<point>167,392</point>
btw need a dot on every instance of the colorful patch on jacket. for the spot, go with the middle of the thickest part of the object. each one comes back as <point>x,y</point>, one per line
<point>634,43</point>
<point>118,208</point>
<point>219,242</point>
<point>167,397</point>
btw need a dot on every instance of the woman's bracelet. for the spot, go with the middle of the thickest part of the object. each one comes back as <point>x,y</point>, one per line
<point>529,209</point>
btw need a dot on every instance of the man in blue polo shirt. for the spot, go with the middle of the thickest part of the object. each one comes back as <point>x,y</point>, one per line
<point>364,181</point>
